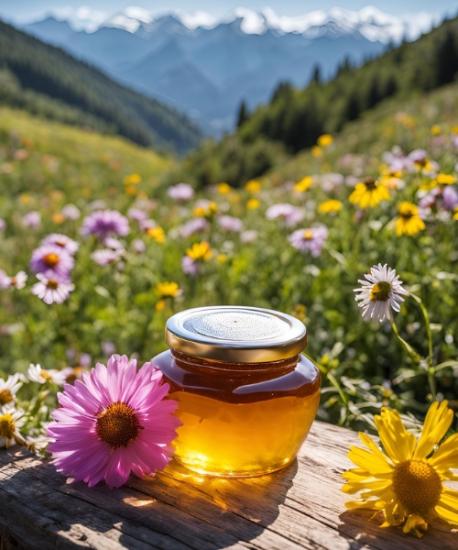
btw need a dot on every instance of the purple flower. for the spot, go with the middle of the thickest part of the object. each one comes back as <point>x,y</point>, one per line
<point>137,214</point>
<point>138,246</point>
<point>105,223</point>
<point>310,240</point>
<point>190,267</point>
<point>32,220</point>
<point>181,192</point>
<point>51,258</point>
<point>62,241</point>
<point>85,360</point>
<point>2,224</point>
<point>288,213</point>
<point>71,212</point>
<point>106,256</point>
<point>450,198</point>
<point>230,223</point>
<point>52,289</point>
<point>108,347</point>
<point>195,225</point>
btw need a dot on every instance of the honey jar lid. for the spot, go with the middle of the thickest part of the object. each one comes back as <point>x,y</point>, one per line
<point>237,334</point>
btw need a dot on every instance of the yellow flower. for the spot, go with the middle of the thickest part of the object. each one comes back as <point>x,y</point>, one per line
<point>317,151</point>
<point>325,140</point>
<point>404,482</point>
<point>253,186</point>
<point>160,305</point>
<point>330,207</point>
<point>445,179</point>
<point>436,130</point>
<point>200,252</point>
<point>303,185</point>
<point>168,289</point>
<point>223,188</point>
<point>25,198</point>
<point>58,218</point>
<point>408,222</point>
<point>156,233</point>
<point>132,179</point>
<point>369,193</point>
<point>221,258</point>
<point>252,204</point>
<point>206,210</point>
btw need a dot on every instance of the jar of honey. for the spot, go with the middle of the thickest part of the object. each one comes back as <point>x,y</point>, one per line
<point>246,396</point>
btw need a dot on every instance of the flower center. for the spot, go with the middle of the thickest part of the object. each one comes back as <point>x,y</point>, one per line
<point>308,234</point>
<point>51,259</point>
<point>380,292</point>
<point>117,425</point>
<point>417,485</point>
<point>5,396</point>
<point>52,284</point>
<point>370,184</point>
<point>7,426</point>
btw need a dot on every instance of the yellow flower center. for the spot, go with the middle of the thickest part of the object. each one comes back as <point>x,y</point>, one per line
<point>7,426</point>
<point>5,396</point>
<point>380,292</point>
<point>308,234</point>
<point>117,425</point>
<point>417,486</point>
<point>51,259</point>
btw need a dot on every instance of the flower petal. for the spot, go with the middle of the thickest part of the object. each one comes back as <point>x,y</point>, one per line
<point>437,422</point>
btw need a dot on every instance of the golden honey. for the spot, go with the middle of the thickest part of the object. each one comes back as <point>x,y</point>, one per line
<point>246,397</point>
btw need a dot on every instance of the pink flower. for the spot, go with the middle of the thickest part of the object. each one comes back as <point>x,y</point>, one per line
<point>181,192</point>
<point>16,281</point>
<point>113,422</point>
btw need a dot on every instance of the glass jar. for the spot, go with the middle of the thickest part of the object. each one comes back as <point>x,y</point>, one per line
<point>247,397</point>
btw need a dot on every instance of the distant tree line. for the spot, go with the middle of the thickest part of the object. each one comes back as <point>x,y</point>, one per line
<point>294,118</point>
<point>50,82</point>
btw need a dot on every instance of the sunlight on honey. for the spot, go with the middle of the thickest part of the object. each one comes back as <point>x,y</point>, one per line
<point>241,439</point>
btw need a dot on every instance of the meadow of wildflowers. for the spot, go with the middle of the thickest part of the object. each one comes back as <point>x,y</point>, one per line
<point>99,245</point>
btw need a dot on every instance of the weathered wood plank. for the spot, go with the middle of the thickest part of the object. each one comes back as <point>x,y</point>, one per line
<point>300,507</point>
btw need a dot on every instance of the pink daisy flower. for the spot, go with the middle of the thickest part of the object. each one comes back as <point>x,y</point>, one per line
<point>113,422</point>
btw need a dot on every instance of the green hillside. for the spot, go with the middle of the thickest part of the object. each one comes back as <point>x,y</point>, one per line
<point>294,118</point>
<point>46,81</point>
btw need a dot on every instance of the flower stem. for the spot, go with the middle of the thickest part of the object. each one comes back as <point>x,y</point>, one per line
<point>409,349</point>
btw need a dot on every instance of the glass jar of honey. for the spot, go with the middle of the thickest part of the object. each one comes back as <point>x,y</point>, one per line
<point>246,395</point>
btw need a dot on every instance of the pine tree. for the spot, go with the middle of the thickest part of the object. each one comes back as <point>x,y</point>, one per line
<point>316,74</point>
<point>243,114</point>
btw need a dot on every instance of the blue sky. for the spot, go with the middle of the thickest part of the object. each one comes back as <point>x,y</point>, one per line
<point>25,10</point>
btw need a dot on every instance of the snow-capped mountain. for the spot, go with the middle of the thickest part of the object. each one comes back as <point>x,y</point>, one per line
<point>205,66</point>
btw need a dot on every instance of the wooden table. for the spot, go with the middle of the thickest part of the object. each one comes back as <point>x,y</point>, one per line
<point>300,507</point>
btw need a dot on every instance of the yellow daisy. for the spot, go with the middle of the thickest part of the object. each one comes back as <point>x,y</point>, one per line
<point>303,185</point>
<point>205,210</point>
<point>317,152</point>
<point>408,222</point>
<point>253,187</point>
<point>132,179</point>
<point>405,482</point>
<point>200,251</point>
<point>223,188</point>
<point>369,193</point>
<point>330,206</point>
<point>445,179</point>
<point>253,204</point>
<point>168,289</point>
<point>455,213</point>
<point>325,140</point>
<point>156,233</point>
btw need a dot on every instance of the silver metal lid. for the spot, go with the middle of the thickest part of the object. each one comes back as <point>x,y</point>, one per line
<point>236,334</point>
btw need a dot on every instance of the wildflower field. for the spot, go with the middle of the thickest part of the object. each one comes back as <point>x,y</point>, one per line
<point>100,244</point>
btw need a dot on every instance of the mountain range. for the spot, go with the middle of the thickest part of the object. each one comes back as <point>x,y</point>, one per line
<point>205,66</point>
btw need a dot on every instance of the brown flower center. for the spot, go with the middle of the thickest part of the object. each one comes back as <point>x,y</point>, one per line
<point>417,486</point>
<point>52,284</point>
<point>370,184</point>
<point>51,259</point>
<point>380,292</point>
<point>7,426</point>
<point>5,396</point>
<point>117,425</point>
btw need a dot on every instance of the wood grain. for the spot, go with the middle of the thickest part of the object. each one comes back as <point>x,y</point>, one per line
<point>299,507</point>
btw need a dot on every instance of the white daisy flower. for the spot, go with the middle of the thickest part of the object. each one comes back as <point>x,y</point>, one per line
<point>9,388</point>
<point>11,420</point>
<point>51,289</point>
<point>16,281</point>
<point>37,374</point>
<point>380,292</point>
